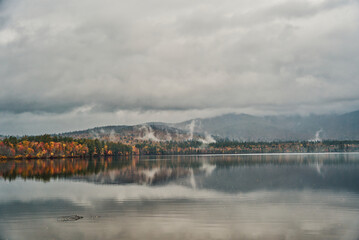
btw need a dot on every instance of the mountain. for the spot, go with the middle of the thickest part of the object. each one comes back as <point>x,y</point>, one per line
<point>242,127</point>
<point>245,127</point>
<point>132,134</point>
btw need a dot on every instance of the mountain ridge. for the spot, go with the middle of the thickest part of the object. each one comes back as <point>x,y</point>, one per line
<point>241,127</point>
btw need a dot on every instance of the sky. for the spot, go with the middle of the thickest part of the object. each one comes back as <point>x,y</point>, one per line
<point>70,65</point>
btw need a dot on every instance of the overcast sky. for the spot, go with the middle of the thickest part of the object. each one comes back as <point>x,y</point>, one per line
<point>69,65</point>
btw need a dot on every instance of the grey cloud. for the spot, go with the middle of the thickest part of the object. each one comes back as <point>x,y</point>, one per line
<point>178,55</point>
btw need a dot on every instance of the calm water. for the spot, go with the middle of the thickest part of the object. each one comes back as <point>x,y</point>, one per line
<point>182,197</point>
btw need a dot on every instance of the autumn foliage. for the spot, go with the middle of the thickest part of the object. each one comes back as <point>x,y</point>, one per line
<point>47,146</point>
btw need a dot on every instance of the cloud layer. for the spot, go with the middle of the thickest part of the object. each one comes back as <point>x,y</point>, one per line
<point>156,58</point>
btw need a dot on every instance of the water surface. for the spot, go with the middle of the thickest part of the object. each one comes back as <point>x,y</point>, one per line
<point>283,196</point>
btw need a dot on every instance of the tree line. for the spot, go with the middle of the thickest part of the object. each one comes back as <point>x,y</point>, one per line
<point>47,146</point>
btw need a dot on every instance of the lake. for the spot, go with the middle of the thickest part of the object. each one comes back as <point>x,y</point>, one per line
<point>271,196</point>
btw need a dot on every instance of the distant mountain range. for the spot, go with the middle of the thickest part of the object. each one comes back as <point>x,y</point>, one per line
<point>271,128</point>
<point>242,127</point>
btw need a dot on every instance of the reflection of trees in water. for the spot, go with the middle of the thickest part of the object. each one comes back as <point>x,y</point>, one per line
<point>45,169</point>
<point>155,169</point>
<point>283,159</point>
<point>105,169</point>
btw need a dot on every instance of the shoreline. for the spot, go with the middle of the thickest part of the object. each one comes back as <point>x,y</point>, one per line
<point>2,158</point>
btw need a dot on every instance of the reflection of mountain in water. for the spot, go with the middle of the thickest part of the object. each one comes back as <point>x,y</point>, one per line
<point>139,176</point>
<point>226,173</point>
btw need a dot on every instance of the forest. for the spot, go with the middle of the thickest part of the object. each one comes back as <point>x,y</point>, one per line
<point>225,146</point>
<point>47,146</point>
